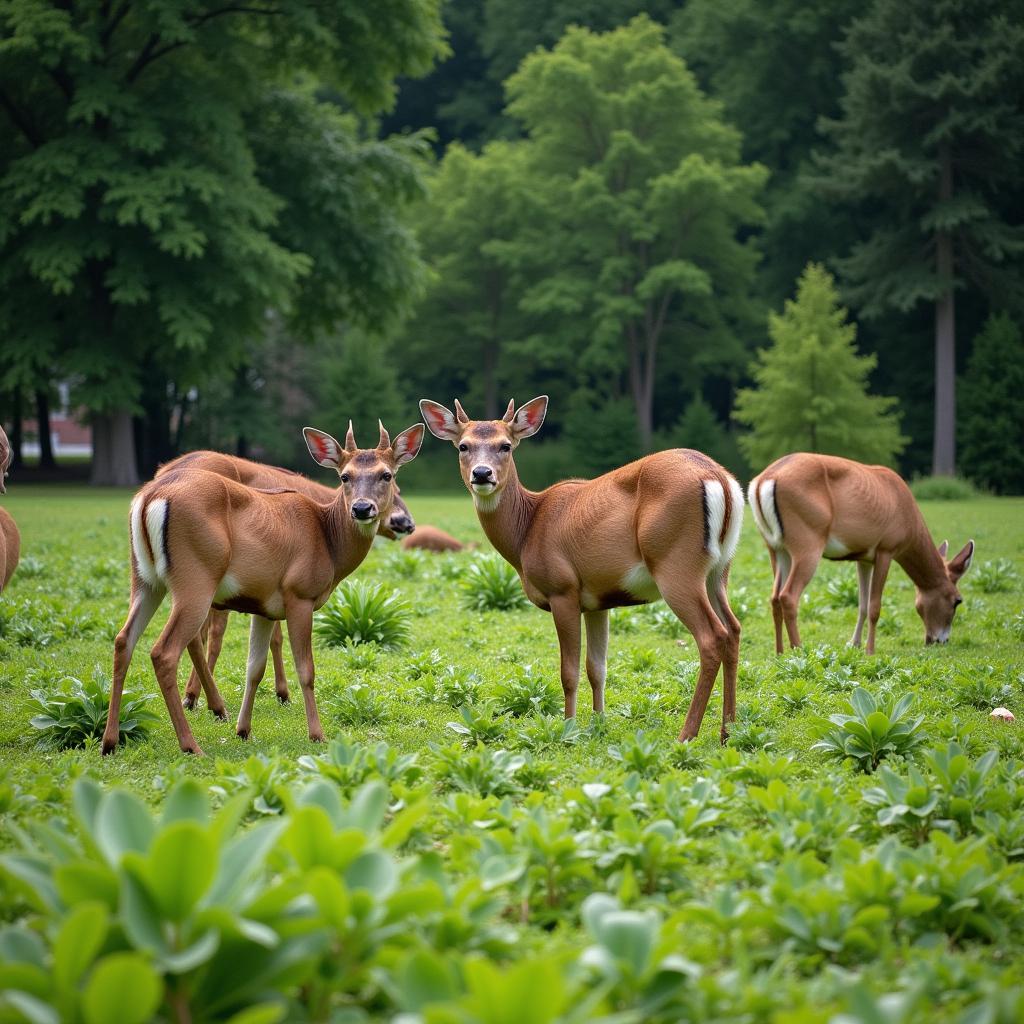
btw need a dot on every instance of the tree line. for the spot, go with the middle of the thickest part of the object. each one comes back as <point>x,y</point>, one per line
<point>221,221</point>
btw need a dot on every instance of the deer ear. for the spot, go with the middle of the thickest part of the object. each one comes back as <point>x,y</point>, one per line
<point>943,548</point>
<point>324,449</point>
<point>408,443</point>
<point>440,421</point>
<point>529,418</point>
<point>959,565</point>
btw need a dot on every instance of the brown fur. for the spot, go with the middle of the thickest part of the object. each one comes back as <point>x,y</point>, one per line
<point>430,538</point>
<point>270,480</point>
<point>575,545</point>
<point>10,539</point>
<point>282,554</point>
<point>847,511</point>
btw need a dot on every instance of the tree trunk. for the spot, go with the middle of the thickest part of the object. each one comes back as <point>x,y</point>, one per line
<point>46,459</point>
<point>944,443</point>
<point>113,450</point>
<point>490,371</point>
<point>17,434</point>
<point>641,386</point>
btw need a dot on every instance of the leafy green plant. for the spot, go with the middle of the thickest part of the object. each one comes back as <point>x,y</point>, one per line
<point>640,755</point>
<point>480,724</point>
<point>351,764</point>
<point>983,690</point>
<point>872,730</point>
<point>359,704</point>
<point>943,488</point>
<point>425,663</point>
<point>751,734</point>
<point>72,713</point>
<point>361,613</point>
<point>796,694</point>
<point>489,583</point>
<point>526,693</point>
<point>261,779</point>
<point>843,590</point>
<point>479,770</point>
<point>543,732</point>
<point>996,576</point>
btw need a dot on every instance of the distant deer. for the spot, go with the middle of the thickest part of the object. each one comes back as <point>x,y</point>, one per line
<point>10,539</point>
<point>277,554</point>
<point>807,506</point>
<point>664,526</point>
<point>256,474</point>
<point>430,538</point>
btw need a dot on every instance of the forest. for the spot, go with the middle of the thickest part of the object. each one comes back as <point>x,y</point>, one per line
<point>744,226</point>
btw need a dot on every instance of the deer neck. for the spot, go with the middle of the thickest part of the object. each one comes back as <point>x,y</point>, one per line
<point>507,520</point>
<point>919,557</point>
<point>347,542</point>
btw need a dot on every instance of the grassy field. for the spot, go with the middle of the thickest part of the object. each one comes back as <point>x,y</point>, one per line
<point>777,881</point>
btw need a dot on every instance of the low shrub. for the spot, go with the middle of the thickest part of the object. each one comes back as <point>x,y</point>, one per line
<point>995,577</point>
<point>873,730</point>
<point>361,613</point>
<point>491,584</point>
<point>942,488</point>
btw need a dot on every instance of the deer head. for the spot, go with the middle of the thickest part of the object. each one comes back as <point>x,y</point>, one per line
<point>937,605</point>
<point>485,446</point>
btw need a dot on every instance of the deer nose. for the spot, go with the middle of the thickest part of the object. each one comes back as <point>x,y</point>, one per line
<point>402,523</point>
<point>481,474</point>
<point>363,509</point>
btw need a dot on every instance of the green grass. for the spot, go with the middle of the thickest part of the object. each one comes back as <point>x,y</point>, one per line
<point>790,822</point>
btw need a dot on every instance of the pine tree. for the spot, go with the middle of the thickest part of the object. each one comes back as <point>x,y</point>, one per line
<point>811,392</point>
<point>930,143</point>
<point>992,408</point>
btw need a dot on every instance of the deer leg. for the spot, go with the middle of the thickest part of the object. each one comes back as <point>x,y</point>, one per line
<point>144,602</point>
<point>597,654</point>
<point>800,574</point>
<point>280,679</point>
<point>193,686</point>
<point>300,636</point>
<point>878,575</point>
<point>719,598</point>
<point>566,613</point>
<point>781,564</point>
<point>184,623</point>
<point>864,589</point>
<point>259,641</point>
<point>200,669</point>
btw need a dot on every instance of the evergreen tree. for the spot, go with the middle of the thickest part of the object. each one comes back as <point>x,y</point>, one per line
<point>811,392</point>
<point>930,143</point>
<point>991,402</point>
<point>170,173</point>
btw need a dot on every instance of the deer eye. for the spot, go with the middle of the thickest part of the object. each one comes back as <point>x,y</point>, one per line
<point>506,447</point>
<point>463,447</point>
<point>385,475</point>
<point>957,602</point>
<point>344,478</point>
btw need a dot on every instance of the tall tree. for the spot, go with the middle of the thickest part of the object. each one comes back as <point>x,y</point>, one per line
<point>172,176</point>
<point>811,389</point>
<point>644,197</point>
<point>929,141</point>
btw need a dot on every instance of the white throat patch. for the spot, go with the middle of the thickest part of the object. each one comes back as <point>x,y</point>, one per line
<point>487,502</point>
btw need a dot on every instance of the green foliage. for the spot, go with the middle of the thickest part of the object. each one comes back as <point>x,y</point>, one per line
<point>873,730</point>
<point>526,693</point>
<point>361,613</point>
<point>359,704</point>
<point>995,577</point>
<point>72,713</point>
<point>942,488</point>
<point>491,584</point>
<point>811,392</point>
<point>991,408</point>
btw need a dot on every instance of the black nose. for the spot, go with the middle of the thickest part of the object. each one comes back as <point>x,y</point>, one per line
<point>481,474</point>
<point>402,524</point>
<point>363,509</point>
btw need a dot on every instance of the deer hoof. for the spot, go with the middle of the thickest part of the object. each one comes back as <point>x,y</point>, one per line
<point>221,714</point>
<point>243,734</point>
<point>283,698</point>
<point>188,702</point>
<point>317,736</point>
<point>109,746</point>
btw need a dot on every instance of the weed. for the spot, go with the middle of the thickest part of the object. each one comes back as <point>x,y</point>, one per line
<point>360,613</point>
<point>995,577</point>
<point>491,584</point>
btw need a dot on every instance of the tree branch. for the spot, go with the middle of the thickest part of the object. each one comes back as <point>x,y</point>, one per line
<point>21,120</point>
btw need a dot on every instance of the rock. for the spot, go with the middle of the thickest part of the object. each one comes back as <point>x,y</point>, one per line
<point>1003,714</point>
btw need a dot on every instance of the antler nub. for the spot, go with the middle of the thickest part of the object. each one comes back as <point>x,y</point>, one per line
<point>460,413</point>
<point>510,411</point>
<point>385,439</point>
<point>350,439</point>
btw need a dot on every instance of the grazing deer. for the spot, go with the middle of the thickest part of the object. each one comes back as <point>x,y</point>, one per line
<point>276,554</point>
<point>10,539</point>
<point>664,526</point>
<point>256,474</point>
<point>430,538</point>
<point>807,506</point>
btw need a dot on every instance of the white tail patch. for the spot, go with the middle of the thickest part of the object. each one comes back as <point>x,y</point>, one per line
<point>714,511</point>
<point>735,525</point>
<point>762,503</point>
<point>143,563</point>
<point>156,527</point>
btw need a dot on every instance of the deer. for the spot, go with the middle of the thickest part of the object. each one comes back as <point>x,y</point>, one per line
<point>277,554</point>
<point>808,506</point>
<point>10,538</point>
<point>400,523</point>
<point>665,526</point>
<point>430,538</point>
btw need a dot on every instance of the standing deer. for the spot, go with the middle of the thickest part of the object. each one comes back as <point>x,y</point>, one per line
<point>664,526</point>
<point>10,539</point>
<point>807,506</point>
<point>256,474</point>
<point>277,554</point>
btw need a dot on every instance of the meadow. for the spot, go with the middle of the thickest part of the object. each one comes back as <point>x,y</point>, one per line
<point>489,863</point>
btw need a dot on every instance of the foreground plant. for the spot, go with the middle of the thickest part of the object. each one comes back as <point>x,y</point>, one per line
<point>361,613</point>
<point>873,730</point>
